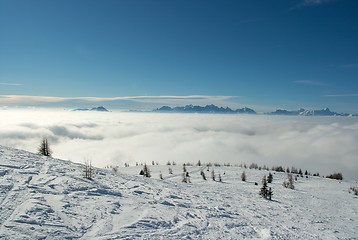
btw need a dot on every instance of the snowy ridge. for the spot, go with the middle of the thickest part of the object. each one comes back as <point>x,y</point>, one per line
<point>215,109</point>
<point>304,112</point>
<point>206,109</point>
<point>46,198</point>
<point>96,109</point>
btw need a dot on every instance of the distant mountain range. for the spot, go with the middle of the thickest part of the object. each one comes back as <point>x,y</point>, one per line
<point>304,112</point>
<point>215,109</point>
<point>207,109</point>
<point>98,109</point>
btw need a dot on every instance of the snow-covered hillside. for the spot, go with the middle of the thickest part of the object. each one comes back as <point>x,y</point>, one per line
<point>46,198</point>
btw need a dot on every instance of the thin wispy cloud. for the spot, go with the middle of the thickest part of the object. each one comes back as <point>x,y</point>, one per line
<point>315,2</point>
<point>17,98</point>
<point>351,65</point>
<point>342,95</point>
<point>308,3</point>
<point>26,100</point>
<point>311,83</point>
<point>10,84</point>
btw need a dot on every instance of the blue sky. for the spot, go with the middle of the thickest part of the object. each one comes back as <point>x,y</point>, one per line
<point>262,54</point>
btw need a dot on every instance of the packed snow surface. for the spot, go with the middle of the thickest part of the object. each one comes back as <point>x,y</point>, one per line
<point>47,198</point>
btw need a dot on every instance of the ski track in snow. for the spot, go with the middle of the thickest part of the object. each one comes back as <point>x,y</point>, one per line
<point>46,198</point>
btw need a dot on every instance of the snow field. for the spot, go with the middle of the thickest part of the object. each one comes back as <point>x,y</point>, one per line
<point>46,198</point>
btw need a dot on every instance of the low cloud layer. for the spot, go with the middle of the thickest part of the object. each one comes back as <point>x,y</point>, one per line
<point>313,143</point>
<point>121,102</point>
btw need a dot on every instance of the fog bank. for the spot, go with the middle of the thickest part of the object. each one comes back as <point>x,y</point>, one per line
<point>323,144</point>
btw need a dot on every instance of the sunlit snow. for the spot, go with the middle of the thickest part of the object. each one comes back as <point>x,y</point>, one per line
<point>45,198</point>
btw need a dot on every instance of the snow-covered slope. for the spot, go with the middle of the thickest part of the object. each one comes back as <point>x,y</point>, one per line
<point>46,198</point>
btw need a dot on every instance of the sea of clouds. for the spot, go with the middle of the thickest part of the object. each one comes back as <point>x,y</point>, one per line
<point>318,144</point>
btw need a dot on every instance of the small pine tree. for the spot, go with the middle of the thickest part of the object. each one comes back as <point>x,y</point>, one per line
<point>243,176</point>
<point>263,190</point>
<point>146,171</point>
<point>353,190</point>
<point>289,182</point>
<point>89,171</point>
<point>269,178</point>
<point>44,148</point>
<point>337,176</point>
<point>183,177</point>
<point>186,177</point>
<point>269,194</point>
<point>213,175</point>
<point>115,169</point>
<point>203,175</point>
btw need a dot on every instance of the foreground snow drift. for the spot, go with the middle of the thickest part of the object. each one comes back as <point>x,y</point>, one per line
<point>46,198</point>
